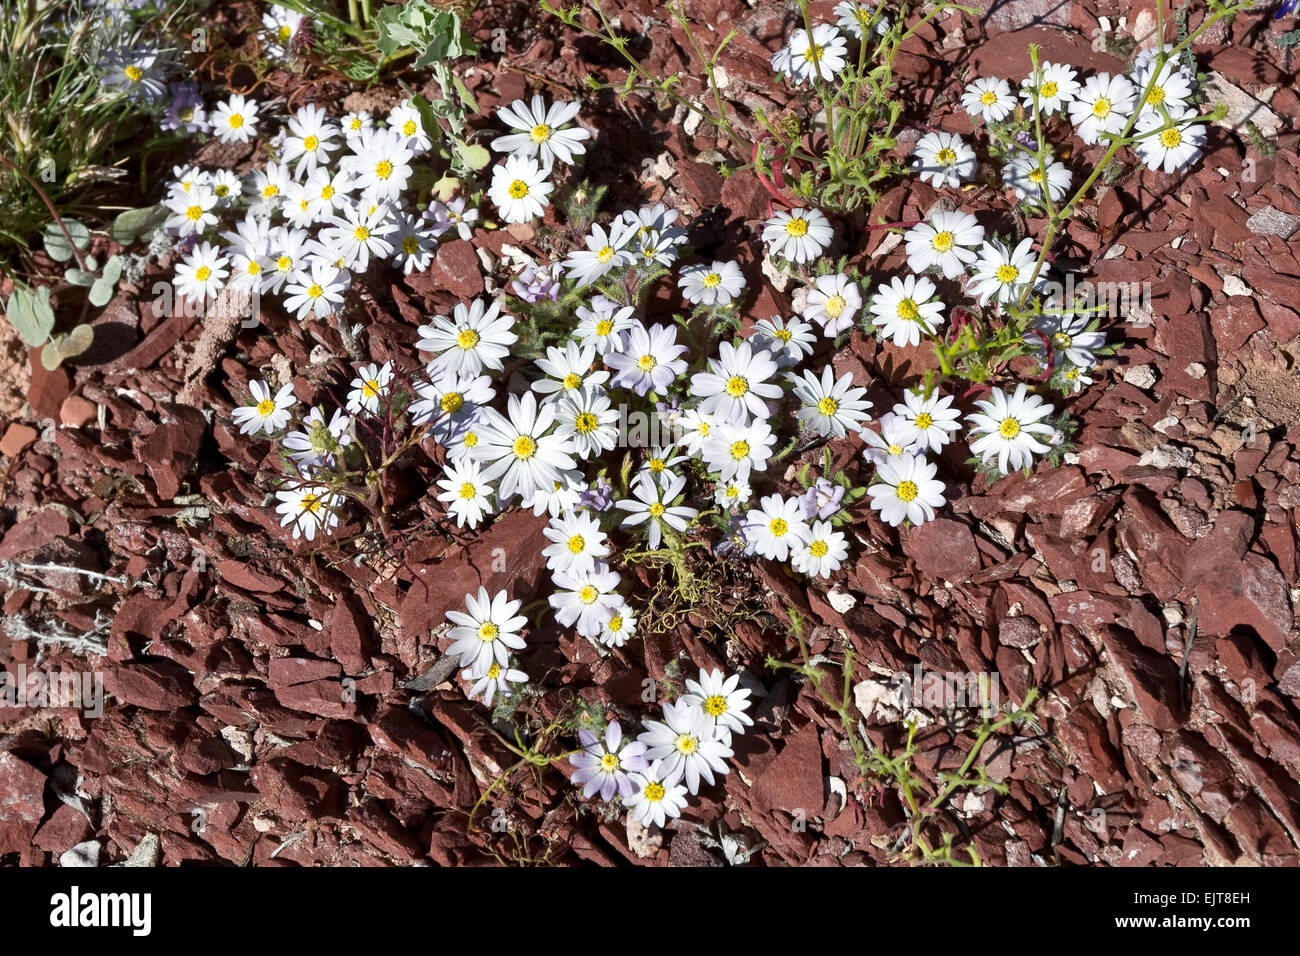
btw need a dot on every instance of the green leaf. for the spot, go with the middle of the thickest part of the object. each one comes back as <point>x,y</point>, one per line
<point>31,314</point>
<point>78,277</point>
<point>472,156</point>
<point>66,346</point>
<point>56,244</point>
<point>137,223</point>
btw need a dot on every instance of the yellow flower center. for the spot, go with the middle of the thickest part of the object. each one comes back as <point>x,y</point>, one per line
<point>907,490</point>
<point>1036,176</point>
<point>646,362</point>
<point>383,169</point>
<point>409,128</point>
<point>740,450</point>
<point>1157,96</point>
<point>310,144</point>
<point>1170,138</point>
<point>1101,108</point>
<point>518,189</point>
<point>284,263</point>
<point>828,407</point>
<point>605,254</point>
<point>265,407</point>
<point>494,671</point>
<point>133,73</point>
<point>924,421</point>
<point>236,121</point>
<point>202,273</point>
<point>715,706</point>
<point>712,280</point>
<point>452,402</point>
<point>604,327</point>
<point>410,245</point>
<point>361,233</point>
<point>779,527</point>
<point>737,386</point>
<point>468,491</point>
<point>654,792</point>
<point>946,156</point>
<point>656,509</point>
<point>835,306</point>
<point>988,98</point>
<point>467,339</point>
<point>1048,89</point>
<point>615,624</point>
<point>311,503</point>
<point>315,291</point>
<point>942,241</point>
<point>686,744</point>
<point>572,380</point>
<point>609,763</point>
<point>194,213</point>
<point>269,190</point>
<point>797,227</point>
<point>1009,428</point>
<point>656,465</point>
<point>1007,274</point>
<point>487,631</point>
<point>783,334</point>
<point>254,267</point>
<point>818,549</point>
<point>895,450</point>
<point>370,388</point>
<point>585,423</point>
<point>525,447</point>
<point>908,311</point>
<point>471,440</point>
<point>284,33</point>
<point>588,594</point>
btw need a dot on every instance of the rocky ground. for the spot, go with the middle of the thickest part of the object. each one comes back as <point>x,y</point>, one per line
<point>277,704</point>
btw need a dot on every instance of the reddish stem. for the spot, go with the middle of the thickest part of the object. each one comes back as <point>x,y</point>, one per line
<point>1051,355</point>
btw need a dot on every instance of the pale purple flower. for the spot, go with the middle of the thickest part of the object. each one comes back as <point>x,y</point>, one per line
<point>537,282</point>
<point>599,496</point>
<point>604,765</point>
<point>821,500</point>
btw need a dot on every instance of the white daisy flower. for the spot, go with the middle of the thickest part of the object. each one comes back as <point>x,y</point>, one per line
<point>660,463</point>
<point>406,120</point>
<point>192,212</point>
<point>185,111</point>
<point>308,508</point>
<point>519,189</point>
<point>381,164</point>
<point>370,389</point>
<point>930,420</point>
<point>988,98</point>
<point>495,680</point>
<point>316,292</point>
<point>649,360</point>
<point>715,284</point>
<point>1000,273</point>
<point>896,439</point>
<point>948,240</point>
<point>561,497</point>
<point>1070,337</point>
<point>653,503</point>
<point>734,451</point>
<point>465,493</point>
<point>225,186</point>
<point>653,801</point>
<point>1172,89</point>
<point>202,274</point>
<point>355,126</point>
<point>1175,147</point>
<point>823,553</point>
<point>310,139</point>
<point>325,193</point>
<point>576,543</point>
<point>414,243</point>
<point>730,495</point>
<point>603,324</point>
<point>605,252</point>
<point>1006,427</point>
<point>284,249</point>
<point>1103,105</point>
<point>737,384</point>
<point>692,430</point>
<point>266,413</point>
<point>585,600</point>
<point>449,404</point>
<point>568,371</point>
<point>1076,379</point>
<point>943,159</point>
<point>283,25</point>
<point>542,132</point>
<point>829,407</point>
<point>521,449</point>
<point>688,743</point>
<point>776,526</point>
<point>789,341</point>
<point>452,215</point>
<point>1024,175</point>
<point>488,632</point>
<point>266,189</point>
<point>473,339</point>
<point>359,233</point>
<point>235,120</point>
<point>722,700</point>
<point>832,303</point>
<point>319,442</point>
<point>656,239</point>
<point>800,235</point>
<point>135,72</point>
<point>823,55</point>
<point>1055,84</point>
<point>620,628</point>
<point>854,18</point>
<point>587,418</point>
<point>906,490</point>
<point>906,309</point>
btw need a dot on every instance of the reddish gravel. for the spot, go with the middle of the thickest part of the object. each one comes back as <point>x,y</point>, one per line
<point>271,704</point>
